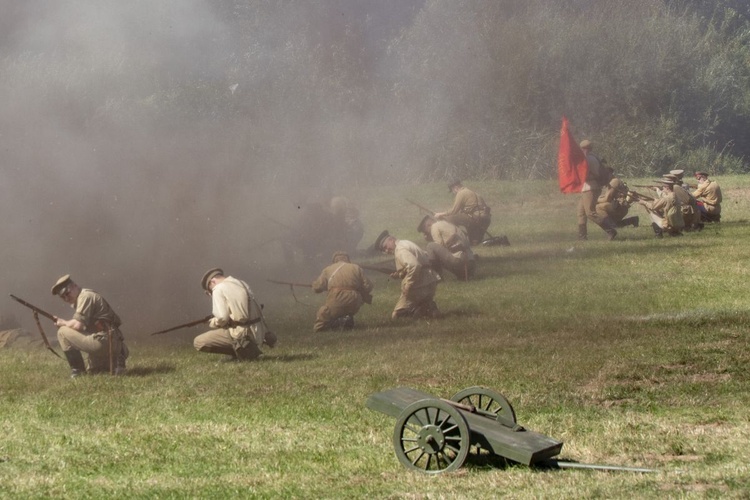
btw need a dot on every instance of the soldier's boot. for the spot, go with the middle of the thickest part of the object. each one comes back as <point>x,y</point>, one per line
<point>630,221</point>
<point>657,230</point>
<point>75,360</point>
<point>270,339</point>
<point>246,350</point>
<point>609,227</point>
<point>582,234</point>
<point>348,322</point>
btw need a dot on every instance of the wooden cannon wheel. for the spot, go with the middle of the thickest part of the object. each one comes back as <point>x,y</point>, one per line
<point>431,436</point>
<point>488,403</point>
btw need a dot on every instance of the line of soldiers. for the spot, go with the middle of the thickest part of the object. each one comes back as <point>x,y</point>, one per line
<point>238,329</point>
<point>606,201</point>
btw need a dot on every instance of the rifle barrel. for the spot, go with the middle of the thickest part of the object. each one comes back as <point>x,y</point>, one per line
<point>307,285</point>
<point>185,325</point>
<point>431,212</point>
<point>33,307</point>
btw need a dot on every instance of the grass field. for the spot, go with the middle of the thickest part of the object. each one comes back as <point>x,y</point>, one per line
<point>632,352</point>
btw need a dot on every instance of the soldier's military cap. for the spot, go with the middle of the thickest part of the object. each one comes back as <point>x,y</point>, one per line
<point>700,172</point>
<point>455,182</point>
<point>618,185</point>
<point>211,273</point>
<point>670,177</point>
<point>586,144</point>
<point>677,172</point>
<point>421,227</point>
<point>666,182</point>
<point>338,256</point>
<point>63,282</point>
<point>380,239</point>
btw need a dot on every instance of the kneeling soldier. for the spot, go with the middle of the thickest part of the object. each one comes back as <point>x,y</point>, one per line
<point>238,327</point>
<point>348,288</point>
<point>418,280</point>
<point>94,329</point>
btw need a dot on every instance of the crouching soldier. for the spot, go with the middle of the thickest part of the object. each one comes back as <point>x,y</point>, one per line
<point>666,212</point>
<point>418,280</point>
<point>348,288</point>
<point>93,329</point>
<point>448,247</point>
<point>238,328</point>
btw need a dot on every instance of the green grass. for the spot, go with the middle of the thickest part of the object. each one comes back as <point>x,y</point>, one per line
<point>632,352</point>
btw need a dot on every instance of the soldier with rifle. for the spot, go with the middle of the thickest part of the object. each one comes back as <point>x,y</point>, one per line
<point>708,194</point>
<point>691,214</point>
<point>94,329</point>
<point>448,247</point>
<point>614,202</point>
<point>238,328</point>
<point>348,288</point>
<point>469,210</point>
<point>665,212</point>
<point>418,280</point>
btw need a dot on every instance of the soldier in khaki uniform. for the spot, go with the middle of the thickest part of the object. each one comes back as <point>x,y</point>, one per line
<point>614,203</point>
<point>94,329</point>
<point>592,189</point>
<point>469,210</point>
<point>348,288</point>
<point>691,214</point>
<point>418,281</point>
<point>665,212</point>
<point>709,193</point>
<point>448,247</point>
<point>238,328</point>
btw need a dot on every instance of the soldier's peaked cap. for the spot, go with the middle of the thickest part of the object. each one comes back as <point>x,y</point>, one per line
<point>667,182</point>
<point>585,144</point>
<point>211,273</point>
<point>61,283</point>
<point>340,255</point>
<point>421,227</point>
<point>701,172</point>
<point>677,172</point>
<point>379,241</point>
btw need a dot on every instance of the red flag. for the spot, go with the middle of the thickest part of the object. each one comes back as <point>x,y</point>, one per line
<point>571,162</point>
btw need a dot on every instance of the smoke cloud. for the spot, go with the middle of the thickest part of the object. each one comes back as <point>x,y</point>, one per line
<point>143,142</point>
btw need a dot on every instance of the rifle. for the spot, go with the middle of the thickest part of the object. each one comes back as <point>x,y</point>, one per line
<point>307,285</point>
<point>37,312</point>
<point>647,187</point>
<point>378,269</point>
<point>185,325</point>
<point>639,196</point>
<point>291,287</point>
<point>421,207</point>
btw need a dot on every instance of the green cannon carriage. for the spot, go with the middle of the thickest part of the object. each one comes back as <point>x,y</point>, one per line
<point>435,435</point>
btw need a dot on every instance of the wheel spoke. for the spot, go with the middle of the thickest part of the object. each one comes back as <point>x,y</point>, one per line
<point>414,462</point>
<point>451,428</point>
<point>412,449</point>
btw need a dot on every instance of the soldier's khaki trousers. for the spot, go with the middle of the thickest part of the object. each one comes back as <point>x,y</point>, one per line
<point>96,345</point>
<point>416,297</point>
<point>219,341</point>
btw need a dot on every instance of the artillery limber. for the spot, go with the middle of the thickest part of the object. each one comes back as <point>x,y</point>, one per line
<point>436,435</point>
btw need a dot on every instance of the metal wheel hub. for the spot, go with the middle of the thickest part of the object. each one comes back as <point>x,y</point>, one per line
<point>431,439</point>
